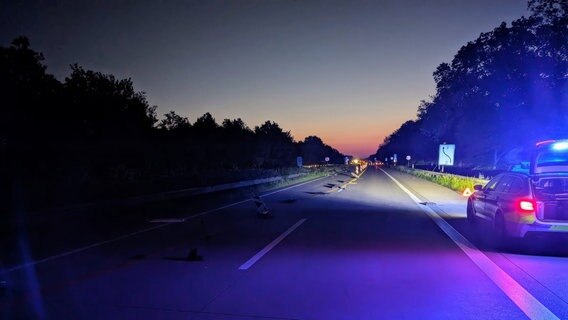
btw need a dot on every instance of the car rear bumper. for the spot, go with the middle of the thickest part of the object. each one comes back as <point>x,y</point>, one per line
<point>521,230</point>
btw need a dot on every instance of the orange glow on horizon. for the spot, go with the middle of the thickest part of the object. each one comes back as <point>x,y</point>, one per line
<point>359,144</point>
<point>359,136</point>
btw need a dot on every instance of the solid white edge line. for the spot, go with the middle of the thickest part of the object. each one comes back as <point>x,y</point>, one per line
<point>525,301</point>
<point>250,262</point>
<point>128,235</point>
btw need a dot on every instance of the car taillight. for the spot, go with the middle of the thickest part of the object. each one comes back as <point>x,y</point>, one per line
<point>526,205</point>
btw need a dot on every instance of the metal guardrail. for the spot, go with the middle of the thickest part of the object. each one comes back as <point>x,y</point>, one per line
<point>209,189</point>
<point>168,195</point>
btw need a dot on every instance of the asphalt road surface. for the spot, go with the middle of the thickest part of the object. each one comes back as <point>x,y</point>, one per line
<point>387,246</point>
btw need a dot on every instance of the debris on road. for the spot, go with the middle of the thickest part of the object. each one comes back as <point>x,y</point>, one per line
<point>193,256</point>
<point>261,207</point>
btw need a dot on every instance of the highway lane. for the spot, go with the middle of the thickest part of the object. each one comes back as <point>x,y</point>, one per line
<point>69,267</point>
<point>539,264</point>
<point>367,252</point>
<point>44,234</point>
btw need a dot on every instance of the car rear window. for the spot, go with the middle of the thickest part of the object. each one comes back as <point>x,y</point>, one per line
<point>551,186</point>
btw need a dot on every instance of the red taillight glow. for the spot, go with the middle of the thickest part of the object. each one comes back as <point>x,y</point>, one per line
<point>526,205</point>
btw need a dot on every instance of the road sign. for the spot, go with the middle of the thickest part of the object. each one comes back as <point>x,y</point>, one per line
<point>299,161</point>
<point>446,154</point>
<point>326,159</point>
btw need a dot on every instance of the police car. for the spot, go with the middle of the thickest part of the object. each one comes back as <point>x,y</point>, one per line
<point>517,204</point>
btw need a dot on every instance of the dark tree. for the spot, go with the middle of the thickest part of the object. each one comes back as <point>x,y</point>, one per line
<point>100,106</point>
<point>94,136</point>
<point>29,108</point>
<point>174,122</point>
<point>206,123</point>
<point>501,92</point>
<point>314,151</point>
<point>275,146</point>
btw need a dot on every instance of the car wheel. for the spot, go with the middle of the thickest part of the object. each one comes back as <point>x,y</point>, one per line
<point>471,213</point>
<point>500,237</point>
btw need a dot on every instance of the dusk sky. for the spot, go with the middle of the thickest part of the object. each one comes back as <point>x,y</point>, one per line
<point>349,72</point>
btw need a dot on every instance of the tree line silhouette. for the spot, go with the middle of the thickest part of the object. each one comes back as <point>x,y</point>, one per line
<point>93,135</point>
<point>501,93</point>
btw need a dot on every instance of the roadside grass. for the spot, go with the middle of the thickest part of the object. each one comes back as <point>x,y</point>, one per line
<point>451,181</point>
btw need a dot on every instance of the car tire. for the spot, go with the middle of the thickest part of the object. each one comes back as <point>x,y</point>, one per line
<point>471,218</point>
<point>501,239</point>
